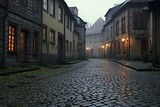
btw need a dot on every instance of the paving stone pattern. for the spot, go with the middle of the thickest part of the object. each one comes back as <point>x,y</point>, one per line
<point>94,83</point>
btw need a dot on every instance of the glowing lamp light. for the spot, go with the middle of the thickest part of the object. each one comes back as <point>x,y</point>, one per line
<point>123,39</point>
<point>107,44</point>
<point>102,46</point>
<point>87,48</point>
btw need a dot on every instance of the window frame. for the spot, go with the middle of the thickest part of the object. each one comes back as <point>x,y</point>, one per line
<point>60,14</point>
<point>45,5</point>
<point>52,37</point>
<point>44,36</point>
<point>10,41</point>
<point>52,10</point>
<point>123,25</point>
<point>139,21</point>
<point>117,27</point>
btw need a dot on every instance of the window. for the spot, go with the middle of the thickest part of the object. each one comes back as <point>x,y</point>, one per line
<point>111,30</point>
<point>123,25</point>
<point>11,39</point>
<point>107,34</point>
<point>140,21</point>
<point>44,36</point>
<point>52,7</point>
<point>60,14</point>
<point>67,21</point>
<point>35,44</point>
<point>117,28</point>
<point>52,36</point>
<point>45,5</point>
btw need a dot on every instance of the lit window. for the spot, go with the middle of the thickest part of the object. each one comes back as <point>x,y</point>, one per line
<point>11,39</point>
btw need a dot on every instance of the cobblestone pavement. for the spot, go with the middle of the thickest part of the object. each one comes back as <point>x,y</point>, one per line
<point>94,83</point>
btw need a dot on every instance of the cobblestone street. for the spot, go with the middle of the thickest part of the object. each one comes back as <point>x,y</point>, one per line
<point>93,83</point>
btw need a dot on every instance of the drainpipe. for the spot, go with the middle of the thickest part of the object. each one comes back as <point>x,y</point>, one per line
<point>4,32</point>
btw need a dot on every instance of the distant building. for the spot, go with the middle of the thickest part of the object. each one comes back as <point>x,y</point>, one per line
<point>80,31</point>
<point>94,40</point>
<point>20,31</point>
<point>125,33</point>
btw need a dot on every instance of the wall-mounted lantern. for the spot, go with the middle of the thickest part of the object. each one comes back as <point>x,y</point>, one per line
<point>123,39</point>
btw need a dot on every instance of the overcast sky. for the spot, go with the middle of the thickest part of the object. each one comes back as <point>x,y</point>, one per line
<point>91,10</point>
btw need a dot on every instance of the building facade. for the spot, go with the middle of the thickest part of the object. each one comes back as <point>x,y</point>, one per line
<point>125,32</point>
<point>94,48</point>
<point>80,30</point>
<point>58,26</point>
<point>20,31</point>
<point>153,6</point>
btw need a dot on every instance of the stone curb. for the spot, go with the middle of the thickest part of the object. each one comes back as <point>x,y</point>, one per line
<point>17,71</point>
<point>137,69</point>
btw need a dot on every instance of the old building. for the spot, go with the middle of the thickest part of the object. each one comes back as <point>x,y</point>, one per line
<point>125,33</point>
<point>80,30</point>
<point>94,46</point>
<point>20,31</point>
<point>153,6</point>
<point>58,26</point>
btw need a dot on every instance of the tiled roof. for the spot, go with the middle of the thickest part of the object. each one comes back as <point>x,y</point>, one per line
<point>96,27</point>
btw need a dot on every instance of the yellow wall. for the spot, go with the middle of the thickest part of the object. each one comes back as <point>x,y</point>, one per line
<point>52,23</point>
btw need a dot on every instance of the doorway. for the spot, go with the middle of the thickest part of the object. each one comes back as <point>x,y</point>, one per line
<point>144,46</point>
<point>60,47</point>
<point>22,49</point>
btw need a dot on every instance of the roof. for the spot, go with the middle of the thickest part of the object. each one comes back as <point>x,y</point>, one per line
<point>96,27</point>
<point>112,11</point>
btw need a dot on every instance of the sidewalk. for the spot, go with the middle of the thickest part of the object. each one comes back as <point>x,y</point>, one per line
<point>137,65</point>
<point>32,67</point>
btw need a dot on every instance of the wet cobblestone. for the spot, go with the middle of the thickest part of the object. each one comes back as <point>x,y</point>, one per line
<point>94,83</point>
